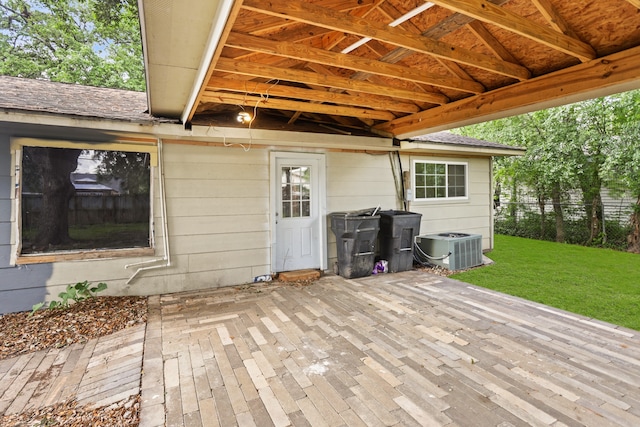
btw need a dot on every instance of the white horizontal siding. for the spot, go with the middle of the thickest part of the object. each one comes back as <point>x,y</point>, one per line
<point>218,213</point>
<point>218,202</point>
<point>359,181</point>
<point>470,215</point>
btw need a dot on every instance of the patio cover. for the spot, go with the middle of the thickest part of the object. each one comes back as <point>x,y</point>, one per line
<point>397,68</point>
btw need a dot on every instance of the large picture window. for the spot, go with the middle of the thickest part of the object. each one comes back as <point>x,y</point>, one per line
<point>439,180</point>
<point>79,200</point>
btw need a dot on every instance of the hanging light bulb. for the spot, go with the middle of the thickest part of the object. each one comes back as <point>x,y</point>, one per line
<point>244,117</point>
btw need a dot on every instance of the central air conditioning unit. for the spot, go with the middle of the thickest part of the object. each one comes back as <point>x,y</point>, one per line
<point>454,251</point>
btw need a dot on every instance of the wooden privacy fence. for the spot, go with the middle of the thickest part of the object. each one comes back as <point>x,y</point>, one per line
<point>93,209</point>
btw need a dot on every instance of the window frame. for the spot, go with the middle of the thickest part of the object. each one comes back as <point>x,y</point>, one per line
<point>446,163</point>
<point>18,258</point>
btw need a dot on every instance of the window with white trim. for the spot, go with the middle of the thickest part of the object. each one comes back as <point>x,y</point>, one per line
<point>439,180</point>
<point>75,198</point>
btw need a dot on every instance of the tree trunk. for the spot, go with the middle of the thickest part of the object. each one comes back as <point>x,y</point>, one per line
<point>594,226</point>
<point>559,214</point>
<point>633,239</point>
<point>543,216</point>
<point>55,166</point>
<point>513,201</point>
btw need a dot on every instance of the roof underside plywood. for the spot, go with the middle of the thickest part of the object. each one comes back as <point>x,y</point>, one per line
<point>340,63</point>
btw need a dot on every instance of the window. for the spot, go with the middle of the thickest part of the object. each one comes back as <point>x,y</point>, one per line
<point>78,199</point>
<point>433,180</point>
<point>296,191</point>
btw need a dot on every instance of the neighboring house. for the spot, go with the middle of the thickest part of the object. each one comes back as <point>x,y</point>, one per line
<point>87,184</point>
<point>262,118</point>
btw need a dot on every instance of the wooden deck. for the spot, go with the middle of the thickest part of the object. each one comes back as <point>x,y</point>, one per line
<point>405,349</point>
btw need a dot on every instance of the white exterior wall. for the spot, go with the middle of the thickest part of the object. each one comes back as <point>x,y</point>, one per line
<point>472,215</point>
<point>218,216</point>
<point>357,181</point>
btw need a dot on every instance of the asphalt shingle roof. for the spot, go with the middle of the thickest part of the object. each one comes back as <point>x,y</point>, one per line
<point>31,95</point>
<point>454,139</point>
<point>20,94</point>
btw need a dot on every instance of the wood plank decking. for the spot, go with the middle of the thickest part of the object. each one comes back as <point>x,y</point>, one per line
<point>405,349</point>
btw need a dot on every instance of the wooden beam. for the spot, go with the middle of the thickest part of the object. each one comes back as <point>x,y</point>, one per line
<point>550,13</point>
<point>282,104</point>
<point>266,24</point>
<point>450,66</point>
<point>355,99</point>
<point>636,3</point>
<point>306,77</point>
<point>312,14</point>
<point>600,77</point>
<point>504,18</point>
<point>352,62</point>
<point>448,25</point>
<point>491,42</point>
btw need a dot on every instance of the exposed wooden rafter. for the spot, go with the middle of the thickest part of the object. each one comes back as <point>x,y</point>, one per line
<point>494,45</point>
<point>309,54</point>
<point>549,11</point>
<point>283,104</point>
<point>306,77</point>
<point>275,89</point>
<point>492,14</point>
<point>617,70</point>
<point>312,14</point>
<point>406,67</point>
<point>636,3</point>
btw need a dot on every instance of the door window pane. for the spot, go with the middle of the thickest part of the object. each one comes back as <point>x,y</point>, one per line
<point>296,191</point>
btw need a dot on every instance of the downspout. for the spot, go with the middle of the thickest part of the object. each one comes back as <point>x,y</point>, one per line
<point>491,204</point>
<point>165,228</point>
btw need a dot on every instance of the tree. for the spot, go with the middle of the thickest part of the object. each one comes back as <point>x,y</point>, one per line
<point>54,165</point>
<point>623,161</point>
<point>88,42</point>
<point>581,146</point>
<point>131,169</point>
<point>539,170</point>
<point>92,42</point>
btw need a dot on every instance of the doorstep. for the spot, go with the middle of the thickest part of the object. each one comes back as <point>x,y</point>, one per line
<point>297,275</point>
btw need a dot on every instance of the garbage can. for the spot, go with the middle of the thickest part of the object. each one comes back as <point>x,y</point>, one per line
<point>398,230</point>
<point>356,233</point>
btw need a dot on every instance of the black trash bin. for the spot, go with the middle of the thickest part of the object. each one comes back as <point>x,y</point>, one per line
<point>398,230</point>
<point>356,233</point>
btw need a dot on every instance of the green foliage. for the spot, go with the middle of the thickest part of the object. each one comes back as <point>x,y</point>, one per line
<point>133,169</point>
<point>78,292</point>
<point>89,42</point>
<point>594,282</point>
<point>578,148</point>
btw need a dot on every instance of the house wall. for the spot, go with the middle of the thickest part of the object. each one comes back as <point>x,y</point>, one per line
<point>472,215</point>
<point>219,223</point>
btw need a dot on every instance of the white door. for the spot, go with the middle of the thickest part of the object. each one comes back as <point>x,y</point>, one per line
<point>298,190</point>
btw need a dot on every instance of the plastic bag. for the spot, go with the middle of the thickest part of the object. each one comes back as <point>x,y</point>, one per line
<point>381,266</point>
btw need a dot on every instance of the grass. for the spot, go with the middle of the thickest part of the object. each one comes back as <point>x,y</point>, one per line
<point>598,283</point>
<point>98,236</point>
<point>108,231</point>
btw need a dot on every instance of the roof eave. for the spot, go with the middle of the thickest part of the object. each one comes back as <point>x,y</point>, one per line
<point>177,35</point>
<point>444,148</point>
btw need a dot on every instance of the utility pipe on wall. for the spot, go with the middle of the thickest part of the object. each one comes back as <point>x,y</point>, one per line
<point>165,228</point>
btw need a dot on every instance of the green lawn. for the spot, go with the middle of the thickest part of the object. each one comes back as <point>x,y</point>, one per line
<point>599,283</point>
